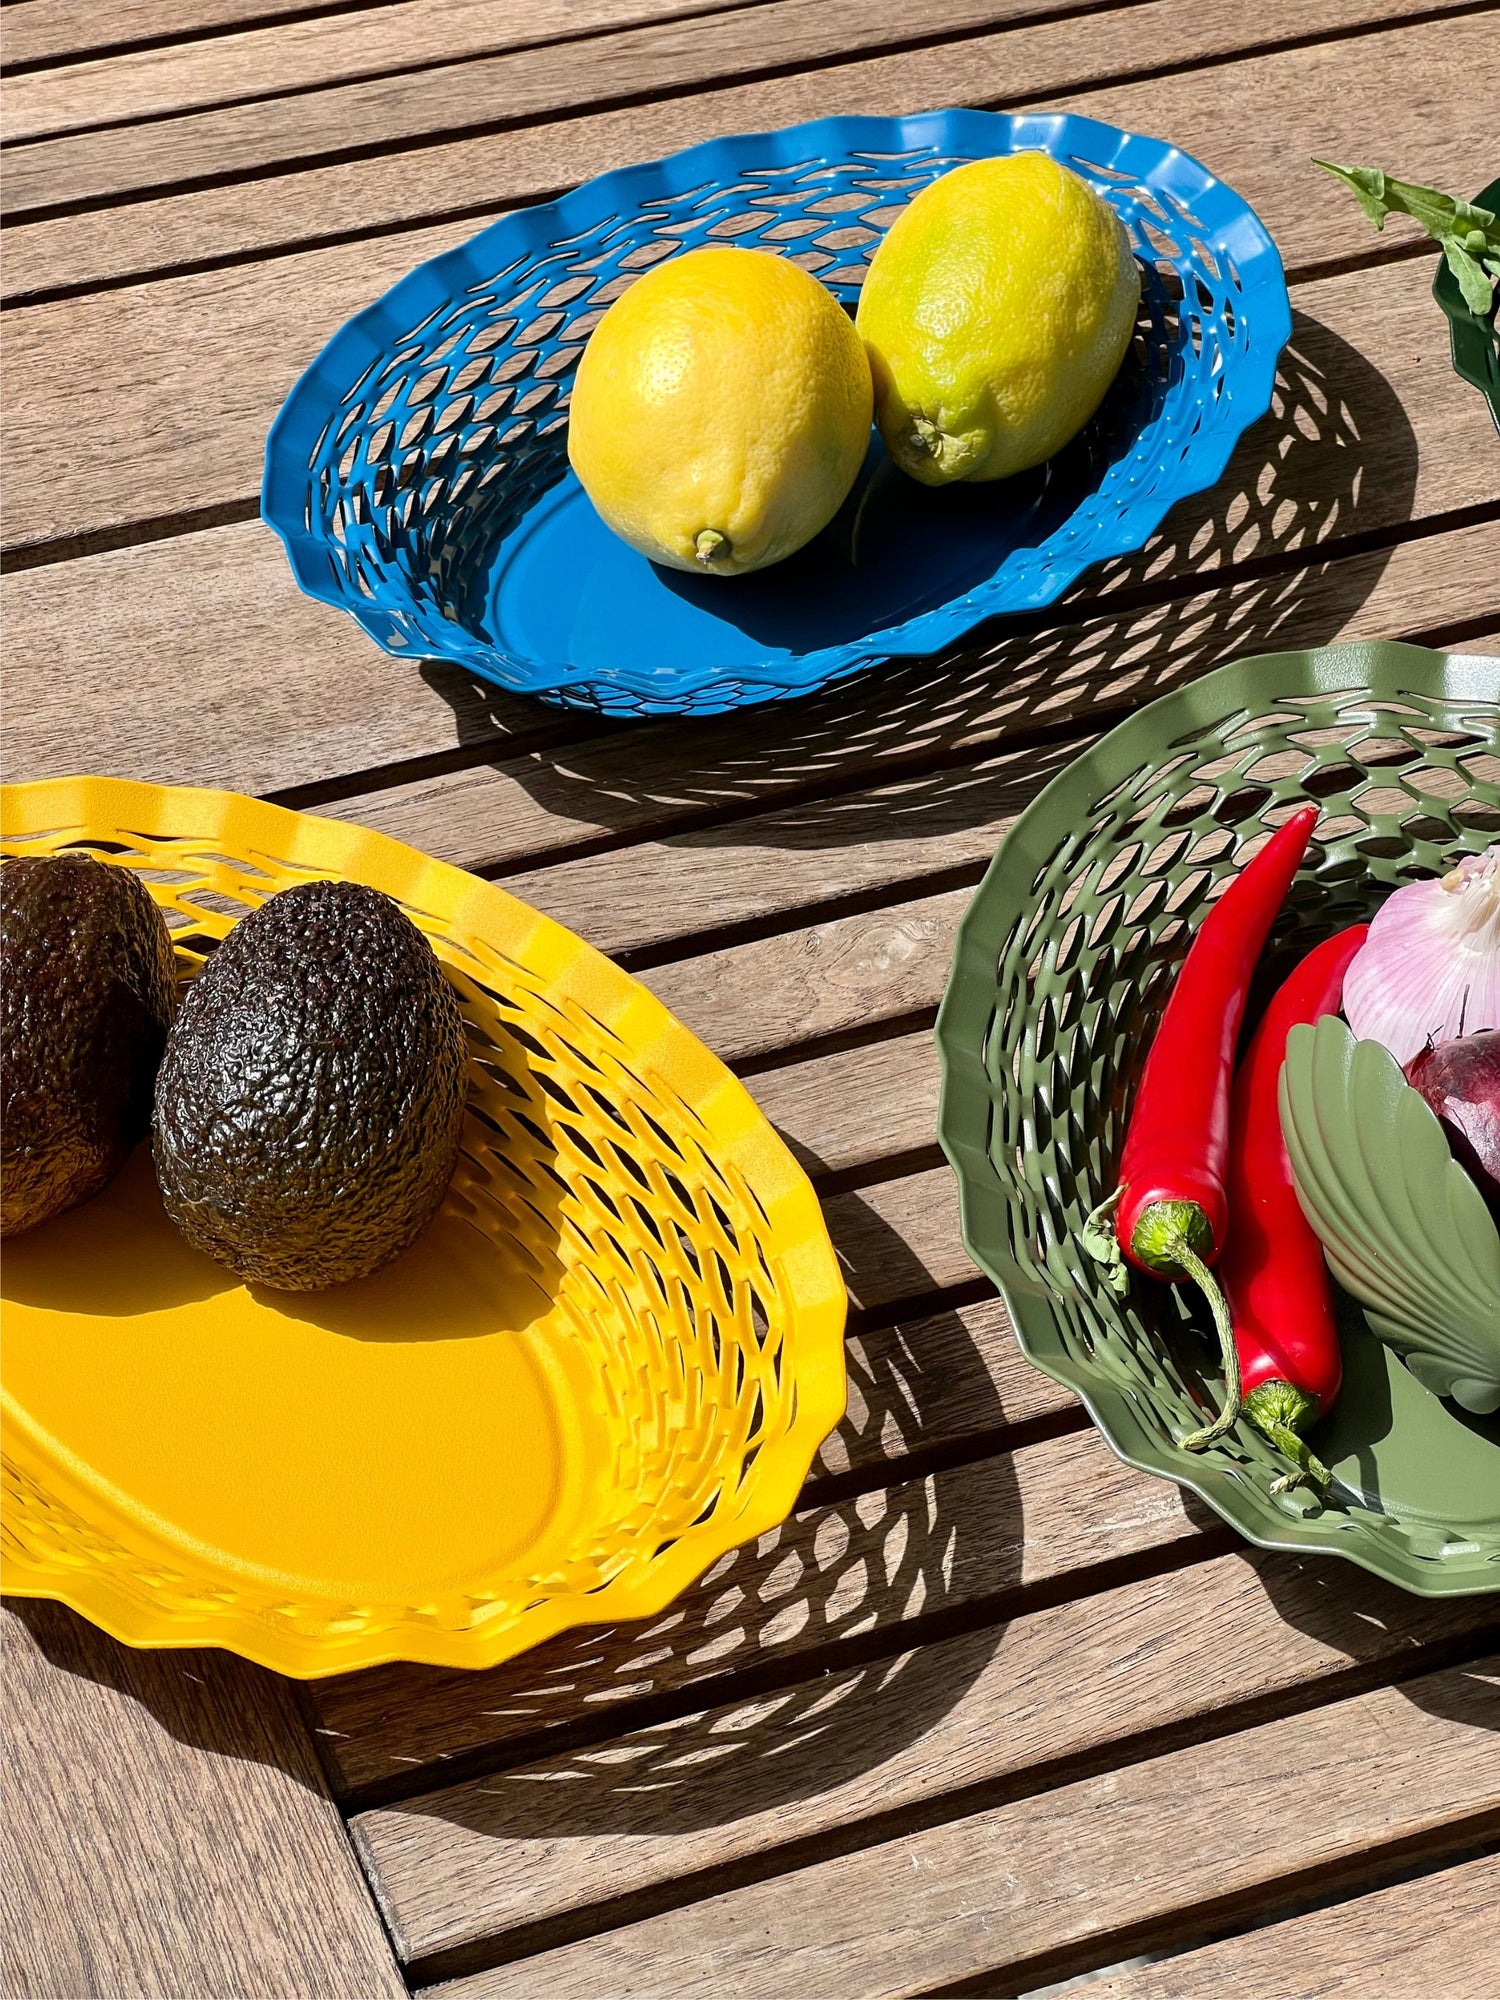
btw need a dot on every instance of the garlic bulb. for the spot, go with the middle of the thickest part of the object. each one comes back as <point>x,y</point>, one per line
<point>1430,969</point>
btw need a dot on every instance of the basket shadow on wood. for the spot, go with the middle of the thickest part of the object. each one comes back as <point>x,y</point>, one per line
<point>1335,461</point>
<point>807,1631</point>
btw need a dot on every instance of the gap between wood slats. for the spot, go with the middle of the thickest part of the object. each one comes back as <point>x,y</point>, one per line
<point>1340,1891</point>
<point>932,1815</point>
<point>475,180</point>
<point>647,90</point>
<point>1080,1873</point>
<point>249,325</point>
<point>427,56</point>
<point>659,91</point>
<point>1049,73</point>
<point>779,1673</point>
<point>51,41</point>
<point>1398,1941</point>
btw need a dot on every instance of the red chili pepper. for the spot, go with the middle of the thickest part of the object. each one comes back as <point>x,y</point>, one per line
<point>1171,1208</point>
<point>1272,1269</point>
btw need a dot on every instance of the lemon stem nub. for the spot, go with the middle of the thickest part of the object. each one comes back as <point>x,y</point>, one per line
<point>709,546</point>
<point>926,436</point>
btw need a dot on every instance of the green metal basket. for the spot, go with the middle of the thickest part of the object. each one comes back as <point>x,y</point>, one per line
<point>1064,961</point>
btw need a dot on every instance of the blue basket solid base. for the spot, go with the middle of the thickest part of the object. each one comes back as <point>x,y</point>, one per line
<point>562,586</point>
<point>418,476</point>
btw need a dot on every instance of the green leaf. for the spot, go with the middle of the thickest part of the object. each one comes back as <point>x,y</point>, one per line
<point>1441,215</point>
<point>1368,184</point>
<point>1473,280</point>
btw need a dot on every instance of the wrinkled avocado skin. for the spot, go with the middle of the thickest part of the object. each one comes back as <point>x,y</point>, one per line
<point>87,987</point>
<point>310,1103</point>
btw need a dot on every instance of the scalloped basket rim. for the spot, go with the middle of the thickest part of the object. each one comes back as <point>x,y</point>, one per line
<point>367,335</point>
<point>740,1133</point>
<point>1373,665</point>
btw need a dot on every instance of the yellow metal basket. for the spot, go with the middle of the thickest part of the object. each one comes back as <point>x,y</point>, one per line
<point>609,1360</point>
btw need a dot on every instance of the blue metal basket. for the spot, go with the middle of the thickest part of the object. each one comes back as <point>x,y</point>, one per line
<point>418,472</point>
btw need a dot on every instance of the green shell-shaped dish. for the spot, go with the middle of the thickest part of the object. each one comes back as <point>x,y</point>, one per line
<point>1474,337</point>
<point>1404,1228</point>
<point>1063,964</point>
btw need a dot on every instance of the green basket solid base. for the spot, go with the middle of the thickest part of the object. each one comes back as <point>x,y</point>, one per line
<point>1062,966</point>
<point>1395,1448</point>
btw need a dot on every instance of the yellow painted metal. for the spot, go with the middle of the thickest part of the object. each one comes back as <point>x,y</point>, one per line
<point>609,1360</point>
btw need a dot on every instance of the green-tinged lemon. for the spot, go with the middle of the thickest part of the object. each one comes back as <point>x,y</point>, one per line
<point>720,411</point>
<point>996,313</point>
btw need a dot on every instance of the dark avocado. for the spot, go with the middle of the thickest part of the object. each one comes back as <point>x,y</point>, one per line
<point>89,983</point>
<point>310,1101</point>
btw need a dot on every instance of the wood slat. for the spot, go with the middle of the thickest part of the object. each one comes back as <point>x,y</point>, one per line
<point>1051,1515</point>
<point>866,1104</point>
<point>416,35</point>
<point>824,980</point>
<point>214,669</point>
<point>648,1811</point>
<point>1257,120</point>
<point>1435,1935</point>
<point>899,1239</point>
<point>168,1831</point>
<point>660,59</point>
<point>52,30</point>
<point>1158,1846</point>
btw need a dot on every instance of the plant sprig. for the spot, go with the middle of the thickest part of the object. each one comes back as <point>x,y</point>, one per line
<point>1470,236</point>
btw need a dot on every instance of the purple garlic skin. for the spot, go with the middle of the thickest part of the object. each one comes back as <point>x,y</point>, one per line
<point>1461,1081</point>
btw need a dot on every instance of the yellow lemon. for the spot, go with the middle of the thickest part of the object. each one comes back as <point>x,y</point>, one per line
<point>720,411</point>
<point>996,313</point>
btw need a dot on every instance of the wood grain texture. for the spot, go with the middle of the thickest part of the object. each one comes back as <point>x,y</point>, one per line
<point>419,35</point>
<point>899,1239</point>
<point>1257,120</point>
<point>1052,1514</point>
<point>865,1104</point>
<point>825,979</point>
<point>168,1832</point>
<point>1435,1935</point>
<point>1312,1796</point>
<point>649,1810</point>
<point>198,661</point>
<point>659,59</point>
<point>51,30</point>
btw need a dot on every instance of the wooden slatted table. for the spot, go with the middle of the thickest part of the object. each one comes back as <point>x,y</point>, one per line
<point>991,1710</point>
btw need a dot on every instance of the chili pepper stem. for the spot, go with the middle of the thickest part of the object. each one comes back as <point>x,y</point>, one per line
<point>1183,1254</point>
<point>1276,1408</point>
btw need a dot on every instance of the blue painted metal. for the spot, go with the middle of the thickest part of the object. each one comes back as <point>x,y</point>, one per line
<point>418,473</point>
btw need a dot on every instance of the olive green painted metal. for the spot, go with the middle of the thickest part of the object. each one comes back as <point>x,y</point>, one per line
<point>1474,337</point>
<point>1063,963</point>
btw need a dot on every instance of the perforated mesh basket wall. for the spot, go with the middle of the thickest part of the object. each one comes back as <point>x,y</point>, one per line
<point>605,1151</point>
<point>436,418</point>
<point>1064,962</point>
